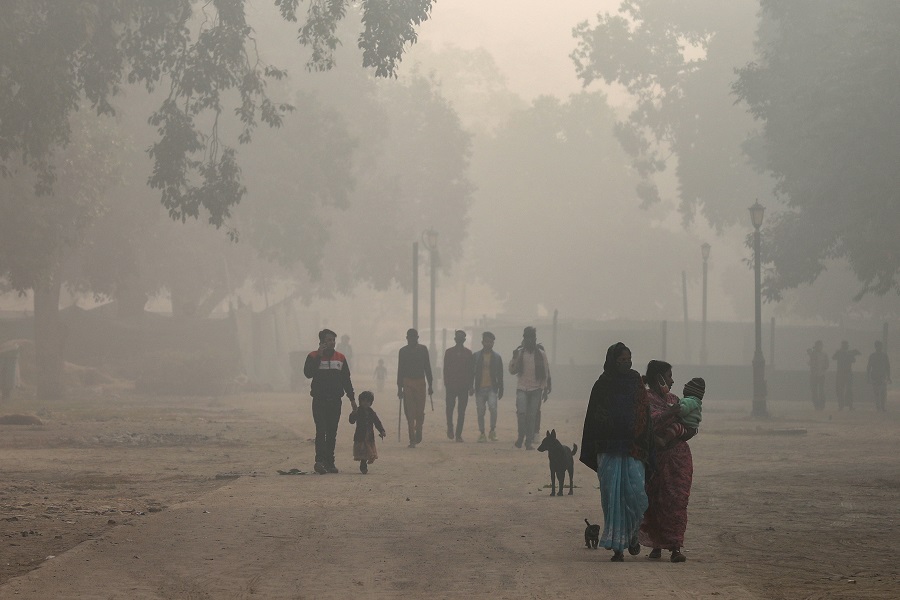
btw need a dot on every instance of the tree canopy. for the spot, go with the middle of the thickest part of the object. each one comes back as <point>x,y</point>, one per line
<point>824,90</point>
<point>55,55</point>
<point>677,60</point>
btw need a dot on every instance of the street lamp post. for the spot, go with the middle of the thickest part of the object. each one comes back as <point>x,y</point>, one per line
<point>415,286</point>
<point>759,363</point>
<point>430,240</point>
<point>704,251</point>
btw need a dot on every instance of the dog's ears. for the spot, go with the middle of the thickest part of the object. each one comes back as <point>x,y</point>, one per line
<point>552,433</point>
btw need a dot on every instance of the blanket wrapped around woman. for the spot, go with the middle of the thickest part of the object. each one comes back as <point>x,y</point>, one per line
<point>616,444</point>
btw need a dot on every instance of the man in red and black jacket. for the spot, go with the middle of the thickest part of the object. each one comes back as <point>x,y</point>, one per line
<point>330,376</point>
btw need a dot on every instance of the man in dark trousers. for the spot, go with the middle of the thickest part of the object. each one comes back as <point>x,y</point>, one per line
<point>330,376</point>
<point>843,377</point>
<point>457,381</point>
<point>413,372</point>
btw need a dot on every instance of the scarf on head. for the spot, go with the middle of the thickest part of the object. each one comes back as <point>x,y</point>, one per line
<point>618,415</point>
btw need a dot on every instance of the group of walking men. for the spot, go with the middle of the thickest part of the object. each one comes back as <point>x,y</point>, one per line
<point>478,374</point>
<point>878,374</point>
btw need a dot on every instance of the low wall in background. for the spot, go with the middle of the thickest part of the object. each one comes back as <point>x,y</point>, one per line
<point>728,382</point>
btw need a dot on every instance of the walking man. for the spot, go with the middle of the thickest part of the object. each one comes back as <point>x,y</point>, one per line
<point>878,372</point>
<point>843,377</point>
<point>413,372</point>
<point>530,364</point>
<point>457,381</point>
<point>487,384</point>
<point>330,376</point>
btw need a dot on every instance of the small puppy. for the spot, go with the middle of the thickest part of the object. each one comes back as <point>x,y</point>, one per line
<point>591,535</point>
<point>560,461</point>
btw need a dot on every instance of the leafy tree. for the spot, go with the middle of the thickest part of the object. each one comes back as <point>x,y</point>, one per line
<point>677,59</point>
<point>556,222</point>
<point>410,172</point>
<point>55,54</point>
<point>823,91</point>
<point>37,233</point>
<point>56,57</point>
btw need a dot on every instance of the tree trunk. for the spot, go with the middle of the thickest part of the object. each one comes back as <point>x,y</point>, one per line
<point>48,341</point>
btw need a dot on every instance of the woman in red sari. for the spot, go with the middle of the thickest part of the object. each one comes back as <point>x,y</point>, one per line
<point>669,481</point>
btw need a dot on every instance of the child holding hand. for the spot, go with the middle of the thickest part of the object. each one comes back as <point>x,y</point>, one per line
<point>364,438</point>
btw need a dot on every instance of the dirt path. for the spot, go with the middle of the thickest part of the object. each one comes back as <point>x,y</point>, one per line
<point>775,512</point>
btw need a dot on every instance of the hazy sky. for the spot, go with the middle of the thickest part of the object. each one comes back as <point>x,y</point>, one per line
<point>530,40</point>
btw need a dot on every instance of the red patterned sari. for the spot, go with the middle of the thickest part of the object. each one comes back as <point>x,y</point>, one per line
<point>669,483</point>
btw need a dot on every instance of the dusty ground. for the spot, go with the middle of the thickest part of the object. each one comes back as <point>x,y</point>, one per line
<point>125,496</point>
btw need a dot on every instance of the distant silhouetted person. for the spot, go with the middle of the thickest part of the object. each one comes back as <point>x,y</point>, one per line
<point>843,378</point>
<point>818,366</point>
<point>487,384</point>
<point>530,364</point>
<point>457,381</point>
<point>878,372</point>
<point>380,374</point>
<point>330,376</point>
<point>413,372</point>
<point>345,348</point>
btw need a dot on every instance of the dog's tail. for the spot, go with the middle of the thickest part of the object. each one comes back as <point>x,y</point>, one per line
<point>574,449</point>
<point>588,522</point>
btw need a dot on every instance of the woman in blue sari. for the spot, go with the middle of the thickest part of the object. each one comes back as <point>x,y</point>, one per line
<point>616,444</point>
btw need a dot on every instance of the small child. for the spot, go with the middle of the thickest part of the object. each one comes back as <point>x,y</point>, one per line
<point>692,403</point>
<point>364,438</point>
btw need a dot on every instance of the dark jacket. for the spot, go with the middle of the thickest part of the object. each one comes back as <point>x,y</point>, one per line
<point>618,416</point>
<point>457,368</point>
<point>496,371</point>
<point>413,362</point>
<point>330,377</point>
<point>365,419</point>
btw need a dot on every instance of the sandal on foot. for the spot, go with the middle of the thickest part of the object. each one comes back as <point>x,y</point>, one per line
<point>655,553</point>
<point>677,556</point>
<point>617,557</point>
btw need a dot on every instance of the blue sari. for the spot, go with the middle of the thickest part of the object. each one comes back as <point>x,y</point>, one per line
<point>623,499</point>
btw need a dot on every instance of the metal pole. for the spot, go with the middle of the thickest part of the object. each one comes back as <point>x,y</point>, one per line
<point>759,363</point>
<point>555,329</point>
<point>772,344</point>
<point>664,327</point>
<point>432,351</point>
<point>687,333</point>
<point>703,352</point>
<point>415,286</point>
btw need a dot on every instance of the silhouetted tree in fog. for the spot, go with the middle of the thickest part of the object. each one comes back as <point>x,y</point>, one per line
<point>825,90</point>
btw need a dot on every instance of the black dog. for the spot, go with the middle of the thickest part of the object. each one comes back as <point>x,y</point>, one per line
<point>560,461</point>
<point>591,535</point>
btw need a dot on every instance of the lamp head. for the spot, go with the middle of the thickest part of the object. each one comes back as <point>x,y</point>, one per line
<point>430,237</point>
<point>756,214</point>
<point>704,250</point>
